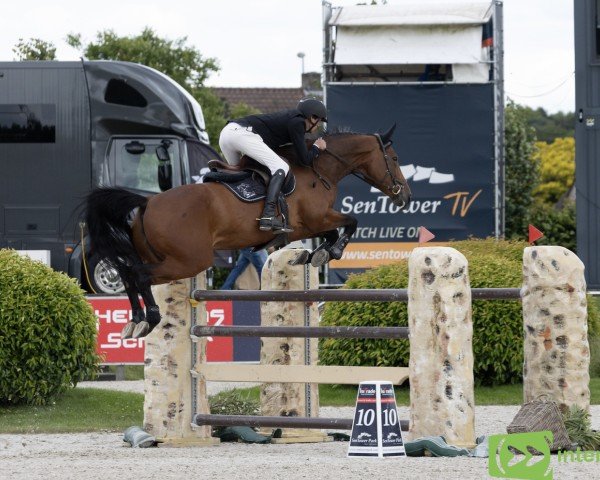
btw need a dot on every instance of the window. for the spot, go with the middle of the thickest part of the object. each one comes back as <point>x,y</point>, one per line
<point>121,93</point>
<point>32,123</point>
<point>136,163</point>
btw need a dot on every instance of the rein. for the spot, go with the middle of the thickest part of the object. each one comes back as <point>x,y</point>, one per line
<point>396,187</point>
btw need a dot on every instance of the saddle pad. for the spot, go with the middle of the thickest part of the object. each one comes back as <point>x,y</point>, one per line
<point>250,188</point>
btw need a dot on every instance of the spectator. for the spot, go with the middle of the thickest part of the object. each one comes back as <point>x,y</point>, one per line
<point>247,257</point>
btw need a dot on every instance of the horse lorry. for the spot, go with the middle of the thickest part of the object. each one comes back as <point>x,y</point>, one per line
<point>67,127</point>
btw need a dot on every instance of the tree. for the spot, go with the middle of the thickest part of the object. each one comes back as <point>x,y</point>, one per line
<point>521,171</point>
<point>184,64</point>
<point>216,112</point>
<point>557,169</point>
<point>34,49</point>
<point>550,126</point>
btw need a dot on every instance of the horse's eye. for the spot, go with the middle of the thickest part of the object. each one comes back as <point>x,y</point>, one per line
<point>395,159</point>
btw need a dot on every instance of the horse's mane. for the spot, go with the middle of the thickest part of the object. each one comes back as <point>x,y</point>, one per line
<point>338,131</point>
<point>289,153</point>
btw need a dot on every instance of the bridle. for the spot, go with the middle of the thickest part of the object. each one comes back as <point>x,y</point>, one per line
<point>395,188</point>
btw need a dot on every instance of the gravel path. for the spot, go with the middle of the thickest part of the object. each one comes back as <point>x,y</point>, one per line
<point>99,455</point>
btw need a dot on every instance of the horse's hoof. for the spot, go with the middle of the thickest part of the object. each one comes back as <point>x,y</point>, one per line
<point>301,258</point>
<point>336,253</point>
<point>319,258</point>
<point>141,330</point>
<point>127,331</point>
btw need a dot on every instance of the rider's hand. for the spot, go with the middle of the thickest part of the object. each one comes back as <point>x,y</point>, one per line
<point>320,143</point>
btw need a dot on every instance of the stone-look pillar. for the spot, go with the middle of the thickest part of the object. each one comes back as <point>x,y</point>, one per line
<point>289,399</point>
<point>557,353</point>
<point>441,353</point>
<point>169,386</point>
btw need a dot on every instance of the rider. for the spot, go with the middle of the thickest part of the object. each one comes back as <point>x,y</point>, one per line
<point>258,135</point>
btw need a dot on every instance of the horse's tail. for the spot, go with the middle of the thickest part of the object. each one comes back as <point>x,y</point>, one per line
<point>108,215</point>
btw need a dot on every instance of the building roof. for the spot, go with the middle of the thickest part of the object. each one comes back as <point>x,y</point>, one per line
<point>266,100</point>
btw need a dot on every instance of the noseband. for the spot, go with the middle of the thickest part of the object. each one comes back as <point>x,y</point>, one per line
<point>396,188</point>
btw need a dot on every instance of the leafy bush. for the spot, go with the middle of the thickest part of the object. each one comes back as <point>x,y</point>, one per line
<point>559,225</point>
<point>557,169</point>
<point>497,325</point>
<point>47,332</point>
<point>579,428</point>
<point>234,402</point>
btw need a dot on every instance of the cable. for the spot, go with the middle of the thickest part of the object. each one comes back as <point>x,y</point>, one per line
<point>85,266</point>
<point>545,93</point>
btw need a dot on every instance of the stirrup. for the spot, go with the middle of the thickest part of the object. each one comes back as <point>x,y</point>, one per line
<point>282,226</point>
<point>275,225</point>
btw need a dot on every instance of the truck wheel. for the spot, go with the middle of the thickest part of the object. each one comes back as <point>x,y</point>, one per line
<point>103,277</point>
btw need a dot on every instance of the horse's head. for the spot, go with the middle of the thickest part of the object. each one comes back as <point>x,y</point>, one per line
<point>372,158</point>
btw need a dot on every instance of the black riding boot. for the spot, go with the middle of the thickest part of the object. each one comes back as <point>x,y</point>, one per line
<point>268,220</point>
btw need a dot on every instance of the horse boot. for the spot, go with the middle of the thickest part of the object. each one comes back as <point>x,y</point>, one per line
<point>268,220</point>
<point>337,249</point>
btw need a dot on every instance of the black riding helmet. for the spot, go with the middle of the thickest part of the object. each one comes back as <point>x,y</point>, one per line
<point>311,106</point>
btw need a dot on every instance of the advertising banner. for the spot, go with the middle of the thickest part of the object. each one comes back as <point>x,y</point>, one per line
<point>444,139</point>
<point>113,312</point>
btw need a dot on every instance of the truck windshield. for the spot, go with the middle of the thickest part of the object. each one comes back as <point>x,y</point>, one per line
<point>136,163</point>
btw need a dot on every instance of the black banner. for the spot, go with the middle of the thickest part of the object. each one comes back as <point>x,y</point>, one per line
<point>445,144</point>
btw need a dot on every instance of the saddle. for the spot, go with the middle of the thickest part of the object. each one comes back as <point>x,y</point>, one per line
<point>248,180</point>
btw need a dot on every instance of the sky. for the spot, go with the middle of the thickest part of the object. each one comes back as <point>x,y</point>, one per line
<point>256,42</point>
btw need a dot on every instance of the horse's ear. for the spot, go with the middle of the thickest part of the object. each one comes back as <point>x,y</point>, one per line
<point>386,136</point>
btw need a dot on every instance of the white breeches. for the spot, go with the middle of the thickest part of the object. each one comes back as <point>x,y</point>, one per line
<point>236,141</point>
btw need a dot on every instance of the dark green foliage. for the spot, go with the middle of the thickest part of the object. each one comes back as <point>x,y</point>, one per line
<point>47,332</point>
<point>34,49</point>
<point>559,226</point>
<point>183,63</point>
<point>522,170</point>
<point>216,112</point>
<point>497,325</point>
<point>579,428</point>
<point>550,126</point>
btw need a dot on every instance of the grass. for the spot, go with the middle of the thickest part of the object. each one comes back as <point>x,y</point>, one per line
<point>97,410</point>
<point>345,395</point>
<point>78,410</point>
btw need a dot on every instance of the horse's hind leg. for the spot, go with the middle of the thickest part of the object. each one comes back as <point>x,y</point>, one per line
<point>137,311</point>
<point>152,313</point>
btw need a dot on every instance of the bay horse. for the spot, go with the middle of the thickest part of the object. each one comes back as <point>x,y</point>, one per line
<point>173,234</point>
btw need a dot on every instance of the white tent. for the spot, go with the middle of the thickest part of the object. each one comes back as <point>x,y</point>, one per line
<point>423,32</point>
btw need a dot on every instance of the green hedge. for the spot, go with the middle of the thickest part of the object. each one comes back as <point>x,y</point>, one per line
<point>497,325</point>
<point>559,225</point>
<point>47,332</point>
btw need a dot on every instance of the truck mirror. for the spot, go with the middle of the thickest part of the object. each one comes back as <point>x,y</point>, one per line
<point>135,147</point>
<point>165,176</point>
<point>163,154</point>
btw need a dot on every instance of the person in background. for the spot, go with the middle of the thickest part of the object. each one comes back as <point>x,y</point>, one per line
<point>247,257</point>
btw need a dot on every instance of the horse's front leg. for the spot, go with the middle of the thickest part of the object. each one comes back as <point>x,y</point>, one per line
<point>334,244</point>
<point>337,248</point>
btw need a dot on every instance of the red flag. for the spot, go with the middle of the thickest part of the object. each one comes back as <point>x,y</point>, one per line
<point>425,235</point>
<point>534,234</point>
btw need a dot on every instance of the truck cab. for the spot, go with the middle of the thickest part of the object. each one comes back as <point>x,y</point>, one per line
<point>68,127</point>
